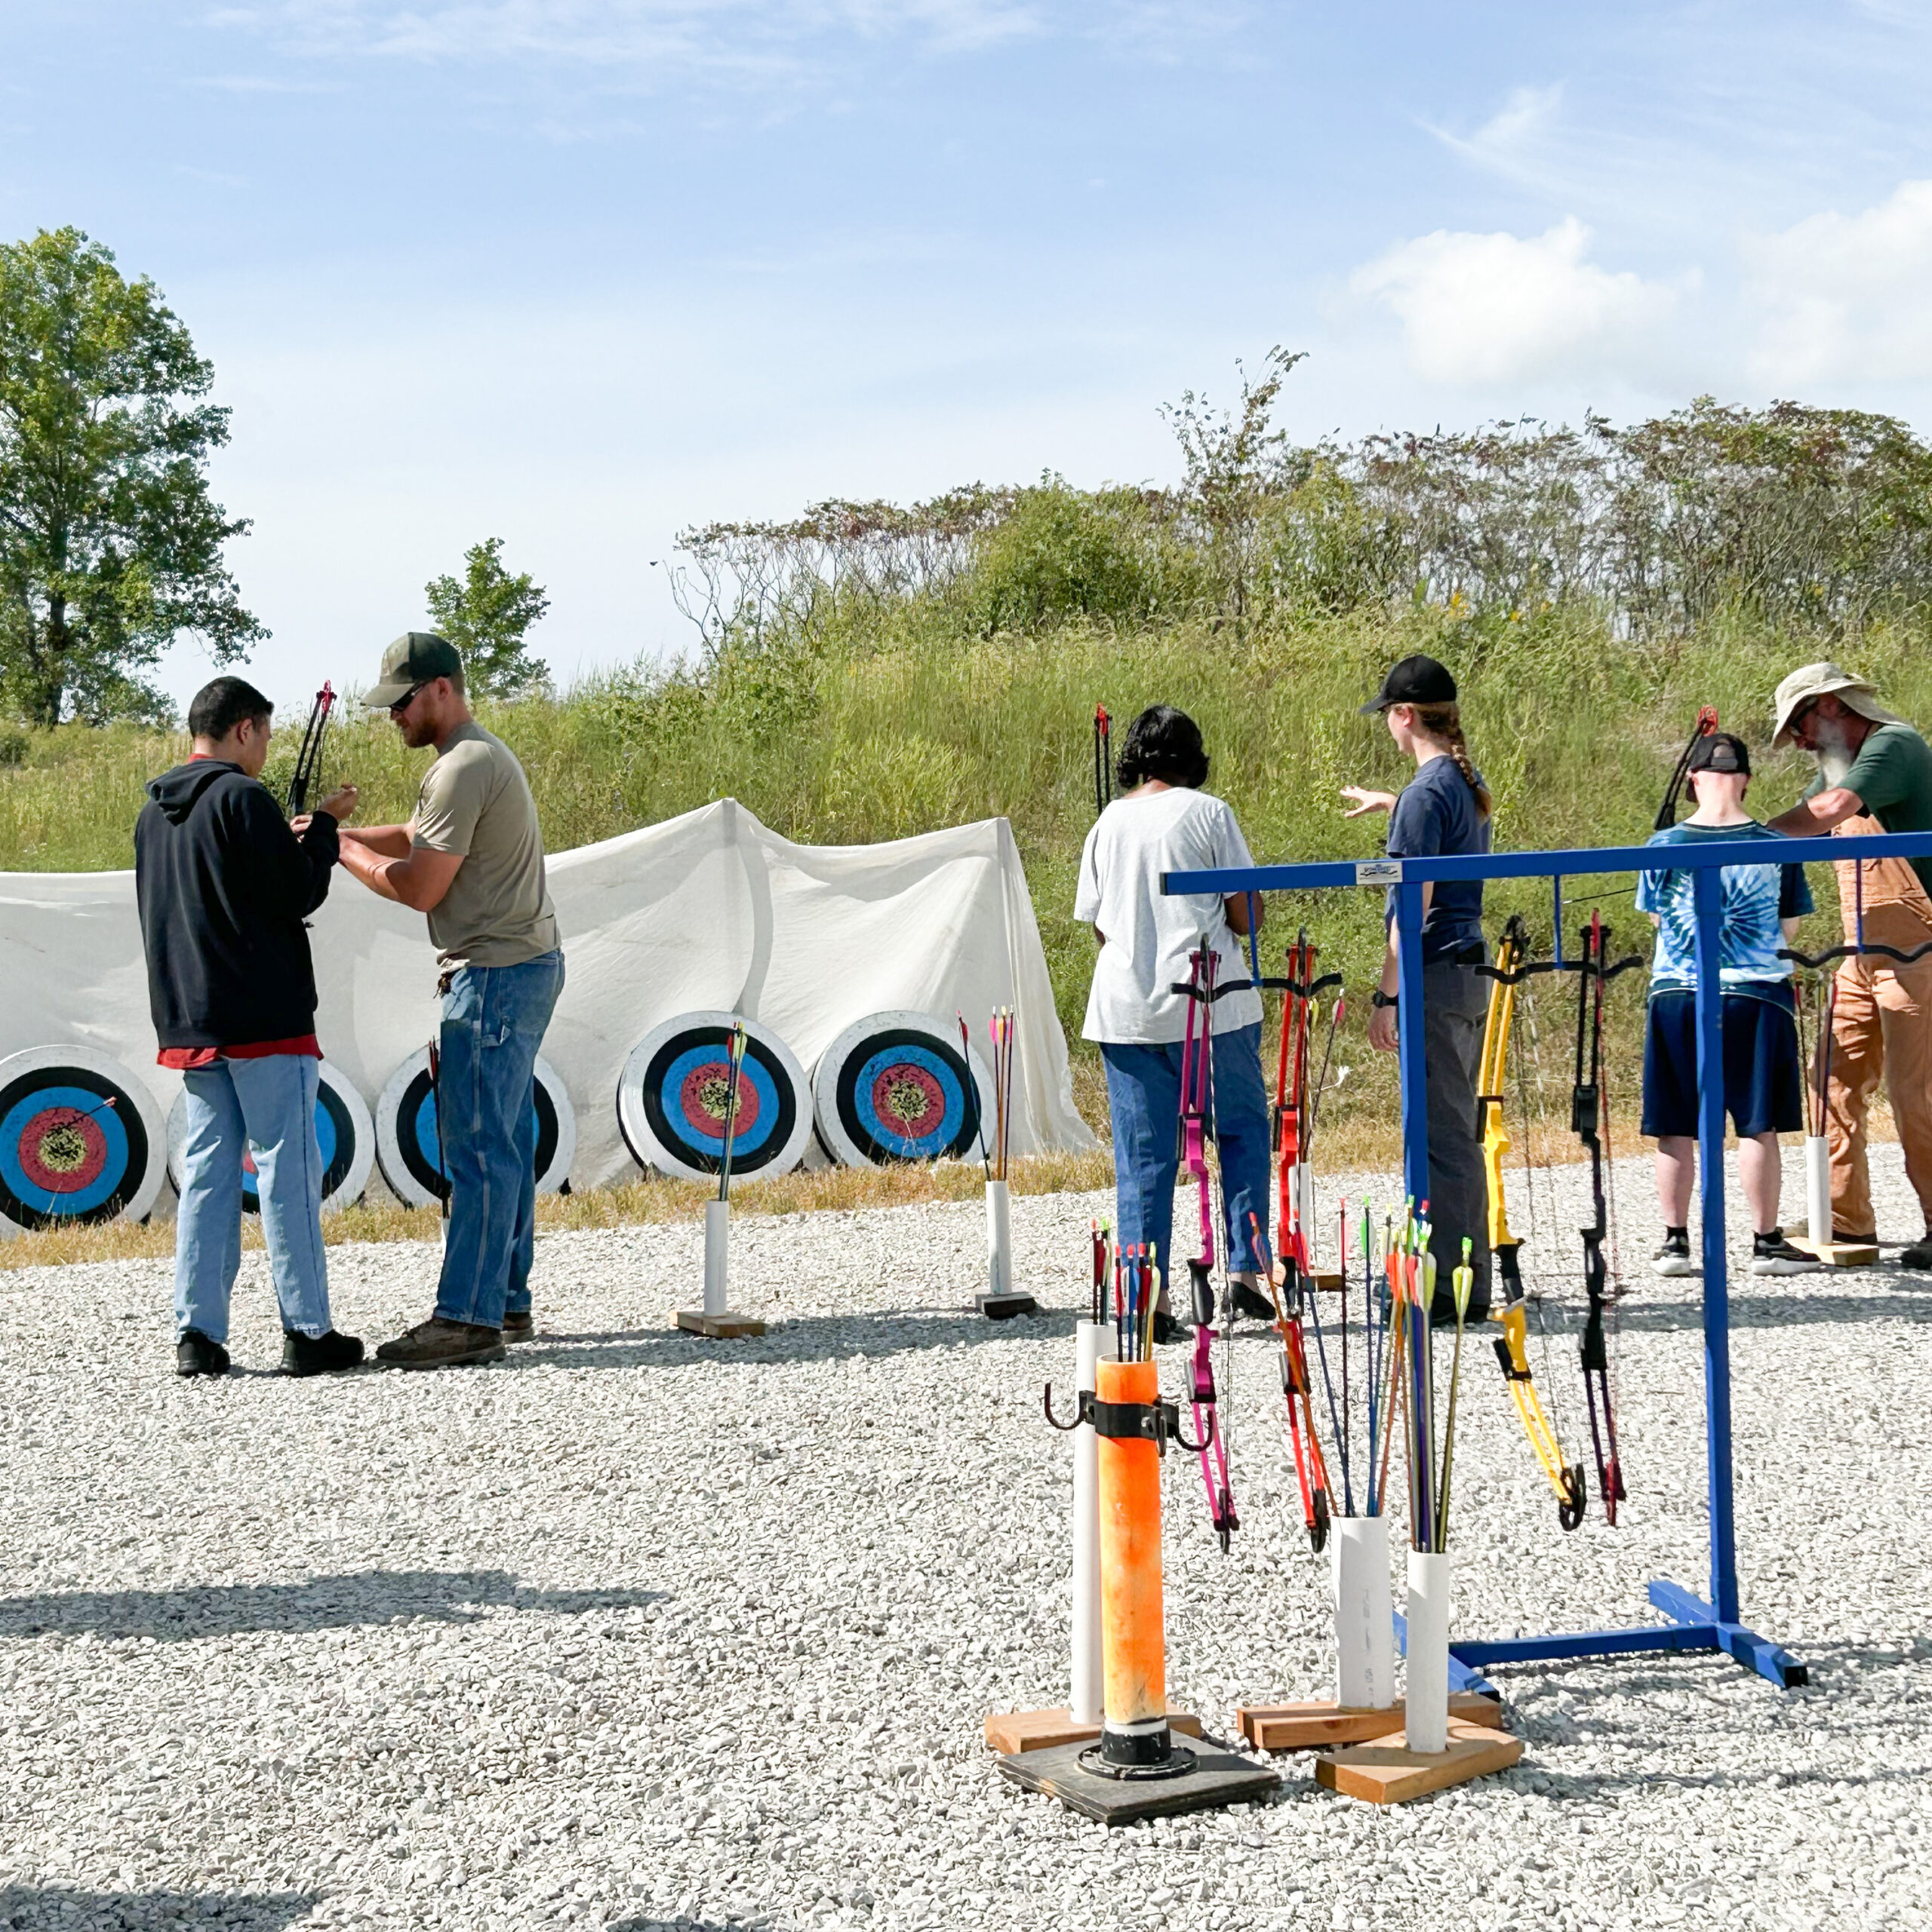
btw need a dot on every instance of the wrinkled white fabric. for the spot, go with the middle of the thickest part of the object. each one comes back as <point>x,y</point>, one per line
<point>709,910</point>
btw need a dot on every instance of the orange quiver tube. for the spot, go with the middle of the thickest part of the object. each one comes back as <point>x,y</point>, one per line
<point>1133,1636</point>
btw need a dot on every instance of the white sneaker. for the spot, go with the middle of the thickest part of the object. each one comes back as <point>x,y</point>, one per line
<point>1772,1254</point>
<point>1673,1257</point>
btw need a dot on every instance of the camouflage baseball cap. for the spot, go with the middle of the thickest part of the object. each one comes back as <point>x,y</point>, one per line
<point>415,658</point>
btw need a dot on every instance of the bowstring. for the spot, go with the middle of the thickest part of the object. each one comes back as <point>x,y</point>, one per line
<point>1616,1285</point>
<point>1532,1167</point>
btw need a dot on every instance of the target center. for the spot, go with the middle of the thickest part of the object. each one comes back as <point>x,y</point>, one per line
<point>63,1149</point>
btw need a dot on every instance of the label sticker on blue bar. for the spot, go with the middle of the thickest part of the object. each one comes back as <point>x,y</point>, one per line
<point>1379,871</point>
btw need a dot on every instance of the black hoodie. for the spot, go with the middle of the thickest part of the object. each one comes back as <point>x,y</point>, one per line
<point>223,886</point>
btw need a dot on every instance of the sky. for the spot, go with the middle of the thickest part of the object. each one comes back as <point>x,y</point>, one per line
<point>581,274</point>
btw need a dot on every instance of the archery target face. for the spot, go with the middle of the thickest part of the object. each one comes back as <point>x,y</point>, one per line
<point>672,1100</point>
<point>898,1087</point>
<point>345,1137</point>
<point>408,1146</point>
<point>81,1140</point>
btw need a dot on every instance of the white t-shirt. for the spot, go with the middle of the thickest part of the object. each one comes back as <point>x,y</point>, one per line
<point>1149,935</point>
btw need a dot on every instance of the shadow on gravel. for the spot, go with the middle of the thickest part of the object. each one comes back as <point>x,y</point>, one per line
<point>802,1338</point>
<point>1910,1301</point>
<point>32,1908</point>
<point>322,1603</point>
<point>665,1925</point>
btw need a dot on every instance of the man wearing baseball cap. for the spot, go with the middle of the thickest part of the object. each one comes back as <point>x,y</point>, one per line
<point>1874,773</point>
<point>472,859</point>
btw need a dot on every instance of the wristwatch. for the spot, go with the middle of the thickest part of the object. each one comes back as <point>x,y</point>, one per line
<point>1379,998</point>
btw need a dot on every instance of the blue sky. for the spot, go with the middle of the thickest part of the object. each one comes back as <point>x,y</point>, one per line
<point>578,273</point>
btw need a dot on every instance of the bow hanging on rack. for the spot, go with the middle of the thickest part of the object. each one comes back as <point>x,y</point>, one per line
<point>1197,1110</point>
<point>1680,775</point>
<point>1565,1478</point>
<point>1103,761</point>
<point>1588,1119</point>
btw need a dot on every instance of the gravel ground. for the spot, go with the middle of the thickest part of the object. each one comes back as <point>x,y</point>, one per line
<point>636,1630</point>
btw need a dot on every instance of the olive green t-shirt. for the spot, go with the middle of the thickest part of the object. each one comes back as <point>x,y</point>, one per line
<point>475,801</point>
<point>1892,775</point>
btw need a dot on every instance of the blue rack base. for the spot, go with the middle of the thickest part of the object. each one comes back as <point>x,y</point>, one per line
<point>1694,1626</point>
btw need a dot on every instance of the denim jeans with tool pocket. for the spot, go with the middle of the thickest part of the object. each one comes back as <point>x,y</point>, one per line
<point>236,1109</point>
<point>493,1021</point>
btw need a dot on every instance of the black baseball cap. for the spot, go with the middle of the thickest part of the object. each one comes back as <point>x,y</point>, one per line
<point>416,657</point>
<point>1416,680</point>
<point>1718,751</point>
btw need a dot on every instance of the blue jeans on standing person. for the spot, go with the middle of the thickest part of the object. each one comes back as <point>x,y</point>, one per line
<point>493,1020</point>
<point>1143,1092</point>
<point>265,1108</point>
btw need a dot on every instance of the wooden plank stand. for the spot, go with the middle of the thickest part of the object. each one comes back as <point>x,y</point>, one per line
<point>1836,1253</point>
<point>1387,1772</point>
<point>1318,1723</point>
<point>726,1328</point>
<point>1011,1732</point>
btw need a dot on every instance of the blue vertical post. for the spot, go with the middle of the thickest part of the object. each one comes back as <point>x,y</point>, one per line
<point>1413,1063</point>
<point>1708,901</point>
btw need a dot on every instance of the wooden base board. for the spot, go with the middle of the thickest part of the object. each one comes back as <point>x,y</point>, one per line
<point>1320,1722</point>
<point>1208,1775</point>
<point>1005,1307</point>
<point>1387,1773</point>
<point>725,1327</point>
<point>1011,1732</point>
<point>1331,1280</point>
<point>1838,1254</point>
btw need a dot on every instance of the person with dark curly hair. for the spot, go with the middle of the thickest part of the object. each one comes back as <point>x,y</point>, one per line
<point>1163,823</point>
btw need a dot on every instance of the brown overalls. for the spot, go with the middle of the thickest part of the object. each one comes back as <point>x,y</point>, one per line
<point>1882,1024</point>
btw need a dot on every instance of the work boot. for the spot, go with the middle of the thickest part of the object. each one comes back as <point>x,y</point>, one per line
<point>519,1324</point>
<point>1167,1330</point>
<point>195,1355</point>
<point>319,1354</point>
<point>1250,1304</point>
<point>439,1344</point>
<point>1919,1254</point>
<point>1772,1254</point>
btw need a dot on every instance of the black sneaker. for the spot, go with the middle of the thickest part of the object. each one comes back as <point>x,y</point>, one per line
<point>519,1324</point>
<point>1252,1304</point>
<point>195,1355</point>
<point>1919,1254</point>
<point>439,1344</point>
<point>1772,1254</point>
<point>1167,1330</point>
<point>1674,1256</point>
<point>319,1354</point>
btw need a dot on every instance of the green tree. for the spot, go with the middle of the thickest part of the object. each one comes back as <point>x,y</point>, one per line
<point>110,546</point>
<point>485,615</point>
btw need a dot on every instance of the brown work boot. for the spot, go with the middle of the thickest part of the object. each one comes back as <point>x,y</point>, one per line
<point>439,1344</point>
<point>519,1324</point>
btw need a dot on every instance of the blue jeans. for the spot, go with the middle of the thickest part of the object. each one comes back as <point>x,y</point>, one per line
<point>266,1108</point>
<point>494,1019</point>
<point>1143,1092</point>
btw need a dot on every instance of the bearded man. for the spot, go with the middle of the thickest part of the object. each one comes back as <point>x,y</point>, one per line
<point>1874,774</point>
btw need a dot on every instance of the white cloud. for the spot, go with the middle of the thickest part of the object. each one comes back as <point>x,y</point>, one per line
<point>1483,310</point>
<point>1515,140</point>
<point>1845,296</point>
<point>719,34</point>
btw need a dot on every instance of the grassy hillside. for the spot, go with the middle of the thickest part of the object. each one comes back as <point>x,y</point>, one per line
<point>905,722</point>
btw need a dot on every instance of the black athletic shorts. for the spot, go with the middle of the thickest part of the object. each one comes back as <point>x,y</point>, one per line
<point>1763,1087</point>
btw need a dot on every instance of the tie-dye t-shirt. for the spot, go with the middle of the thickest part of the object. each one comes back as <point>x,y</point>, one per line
<point>1755,899</point>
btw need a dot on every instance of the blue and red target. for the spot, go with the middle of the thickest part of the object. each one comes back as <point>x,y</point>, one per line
<point>80,1140</point>
<point>673,1099</point>
<point>410,1147</point>
<point>345,1138</point>
<point>898,1087</point>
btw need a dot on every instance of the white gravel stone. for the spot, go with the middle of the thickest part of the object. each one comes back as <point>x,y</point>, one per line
<point>634,1629</point>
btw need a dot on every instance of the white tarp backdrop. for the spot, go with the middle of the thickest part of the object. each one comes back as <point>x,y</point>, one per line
<point>711,909</point>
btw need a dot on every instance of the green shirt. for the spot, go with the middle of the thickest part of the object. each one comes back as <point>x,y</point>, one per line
<point>1892,777</point>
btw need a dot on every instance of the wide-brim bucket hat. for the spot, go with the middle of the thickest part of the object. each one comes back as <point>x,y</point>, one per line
<point>1826,680</point>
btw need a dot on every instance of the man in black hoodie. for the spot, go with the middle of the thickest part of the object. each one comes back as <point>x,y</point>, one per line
<point>223,885</point>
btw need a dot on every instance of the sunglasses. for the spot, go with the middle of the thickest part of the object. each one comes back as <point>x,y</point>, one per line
<point>408,698</point>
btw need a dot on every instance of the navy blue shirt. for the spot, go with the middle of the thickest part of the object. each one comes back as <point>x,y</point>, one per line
<point>1437,813</point>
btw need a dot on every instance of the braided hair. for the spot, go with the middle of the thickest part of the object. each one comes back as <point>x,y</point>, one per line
<point>1443,721</point>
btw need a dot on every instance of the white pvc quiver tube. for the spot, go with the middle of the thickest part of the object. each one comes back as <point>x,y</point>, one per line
<point>1094,1341</point>
<point>1305,1201</point>
<point>717,1252</point>
<point>1364,1614</point>
<point>1818,1187</point>
<point>1426,1711</point>
<point>999,1239</point>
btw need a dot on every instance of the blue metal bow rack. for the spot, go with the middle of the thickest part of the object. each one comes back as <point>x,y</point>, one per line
<point>1693,1623</point>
